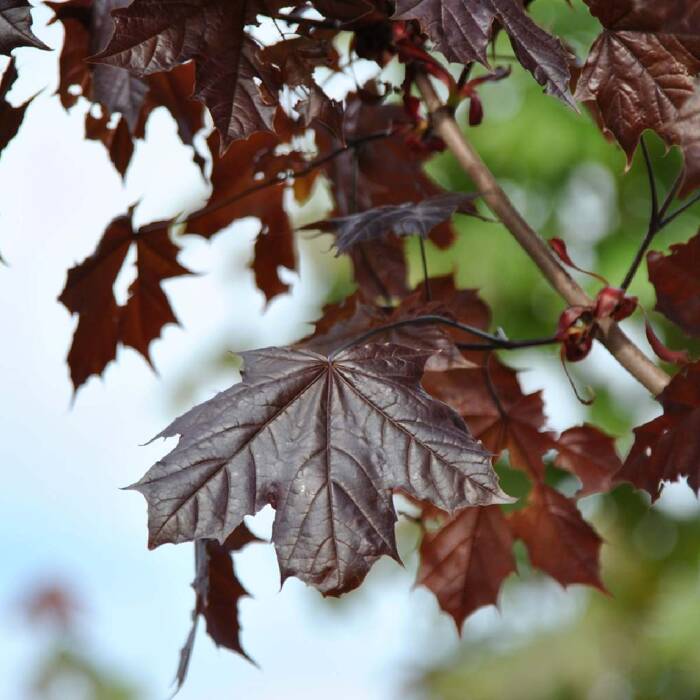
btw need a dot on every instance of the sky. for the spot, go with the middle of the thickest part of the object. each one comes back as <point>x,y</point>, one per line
<point>65,459</point>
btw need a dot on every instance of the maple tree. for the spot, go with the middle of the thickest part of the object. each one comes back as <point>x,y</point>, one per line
<point>398,392</point>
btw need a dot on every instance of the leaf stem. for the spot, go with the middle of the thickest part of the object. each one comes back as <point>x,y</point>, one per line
<point>658,219</point>
<point>622,348</point>
<point>495,342</point>
<point>424,262</point>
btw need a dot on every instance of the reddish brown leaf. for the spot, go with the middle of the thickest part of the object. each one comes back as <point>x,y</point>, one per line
<point>233,174</point>
<point>102,323</point>
<point>325,442</point>
<point>218,592</point>
<point>668,447</point>
<point>559,541</point>
<point>153,36</point>
<point>462,29</point>
<point>173,90</point>
<point>498,413</point>
<point>11,118</point>
<point>117,140</point>
<point>465,562</point>
<point>676,278</point>
<point>297,58</point>
<point>88,26</point>
<point>15,26</point>
<point>589,454</point>
<point>641,70</point>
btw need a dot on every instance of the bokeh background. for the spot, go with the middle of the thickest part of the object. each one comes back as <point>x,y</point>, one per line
<point>86,612</point>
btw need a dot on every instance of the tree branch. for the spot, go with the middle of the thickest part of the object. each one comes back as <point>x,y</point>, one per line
<point>614,339</point>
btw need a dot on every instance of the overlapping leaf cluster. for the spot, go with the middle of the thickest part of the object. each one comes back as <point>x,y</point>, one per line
<point>396,390</point>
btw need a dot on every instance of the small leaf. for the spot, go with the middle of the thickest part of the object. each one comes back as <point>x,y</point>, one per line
<point>325,442</point>
<point>406,219</point>
<point>235,195</point>
<point>676,278</point>
<point>11,118</point>
<point>465,562</point>
<point>589,454</point>
<point>218,592</point>
<point>102,323</point>
<point>679,357</point>
<point>668,447</point>
<point>559,541</point>
<point>497,412</point>
<point>15,27</point>
<point>153,36</point>
<point>462,29</point>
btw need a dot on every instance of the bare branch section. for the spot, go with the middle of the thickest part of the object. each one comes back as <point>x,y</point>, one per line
<point>611,335</point>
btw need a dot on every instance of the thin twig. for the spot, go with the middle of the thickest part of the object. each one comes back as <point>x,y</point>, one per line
<point>426,277</point>
<point>658,219</point>
<point>296,19</point>
<point>495,342</point>
<point>693,200</point>
<point>621,347</point>
<point>654,216</point>
<point>272,181</point>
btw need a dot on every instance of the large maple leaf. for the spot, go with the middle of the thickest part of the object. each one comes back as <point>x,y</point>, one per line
<point>676,278</point>
<point>325,442</point>
<point>156,35</point>
<point>668,447</point>
<point>15,26</point>
<point>89,292</point>
<point>462,29</point>
<point>641,70</point>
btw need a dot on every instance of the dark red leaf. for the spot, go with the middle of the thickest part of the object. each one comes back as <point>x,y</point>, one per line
<point>102,323</point>
<point>117,140</point>
<point>462,29</point>
<point>11,118</point>
<point>465,562</point>
<point>15,26</point>
<point>641,70</point>
<point>497,412</point>
<point>218,592</point>
<point>589,454</point>
<point>405,219</point>
<point>559,541</point>
<point>668,447</point>
<point>88,27</point>
<point>676,278</point>
<point>233,175</point>
<point>325,442</point>
<point>152,36</point>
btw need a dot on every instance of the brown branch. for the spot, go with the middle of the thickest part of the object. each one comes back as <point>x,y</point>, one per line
<point>614,339</point>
